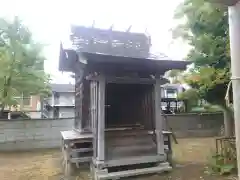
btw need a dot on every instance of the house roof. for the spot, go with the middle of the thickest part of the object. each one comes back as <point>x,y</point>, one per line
<point>63,87</point>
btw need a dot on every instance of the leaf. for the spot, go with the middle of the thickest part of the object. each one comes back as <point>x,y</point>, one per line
<point>227,169</point>
<point>205,28</point>
<point>21,63</point>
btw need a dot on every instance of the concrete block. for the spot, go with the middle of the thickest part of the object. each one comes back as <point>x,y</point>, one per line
<point>2,138</point>
<point>21,138</point>
<point>14,132</point>
<point>38,124</point>
<point>62,123</point>
<point>29,134</point>
<point>40,131</point>
<point>46,136</point>
<point>30,124</point>
<point>13,125</point>
<point>57,130</point>
<point>7,146</point>
<point>10,137</point>
<point>58,123</point>
<point>3,122</point>
<point>40,137</point>
<point>42,124</point>
<point>29,137</point>
<point>24,145</point>
<point>46,144</point>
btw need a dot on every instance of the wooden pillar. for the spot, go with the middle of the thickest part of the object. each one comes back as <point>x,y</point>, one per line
<point>158,117</point>
<point>101,120</point>
<point>80,107</point>
<point>93,114</point>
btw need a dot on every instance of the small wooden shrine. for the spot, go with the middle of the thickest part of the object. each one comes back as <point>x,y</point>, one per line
<point>118,124</point>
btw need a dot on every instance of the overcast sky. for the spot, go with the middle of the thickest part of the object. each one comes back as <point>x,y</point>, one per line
<point>50,22</point>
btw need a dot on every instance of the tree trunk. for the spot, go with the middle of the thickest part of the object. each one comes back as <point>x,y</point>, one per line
<point>228,122</point>
<point>6,87</point>
<point>1,110</point>
<point>4,95</point>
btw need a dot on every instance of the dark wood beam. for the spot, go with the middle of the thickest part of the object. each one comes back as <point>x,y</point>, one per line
<point>125,80</point>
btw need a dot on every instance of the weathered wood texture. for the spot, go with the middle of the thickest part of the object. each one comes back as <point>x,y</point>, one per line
<point>120,64</point>
<point>82,102</point>
<point>93,109</point>
<point>99,45</point>
<point>78,102</point>
<point>126,106</point>
<point>101,119</point>
<point>111,42</point>
<point>129,143</point>
<point>158,117</point>
<point>129,104</point>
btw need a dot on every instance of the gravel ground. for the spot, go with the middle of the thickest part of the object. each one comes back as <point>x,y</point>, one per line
<point>191,156</point>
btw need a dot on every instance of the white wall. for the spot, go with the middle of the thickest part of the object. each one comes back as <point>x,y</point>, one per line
<point>66,99</point>
<point>66,112</point>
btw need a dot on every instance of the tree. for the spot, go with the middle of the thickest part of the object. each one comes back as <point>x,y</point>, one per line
<point>206,30</point>
<point>21,64</point>
<point>174,75</point>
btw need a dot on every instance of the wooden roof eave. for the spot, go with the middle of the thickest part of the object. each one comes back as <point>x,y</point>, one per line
<point>112,63</point>
<point>71,61</point>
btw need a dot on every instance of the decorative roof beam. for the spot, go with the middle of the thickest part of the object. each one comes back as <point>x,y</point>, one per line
<point>93,24</point>
<point>111,27</point>
<point>129,28</point>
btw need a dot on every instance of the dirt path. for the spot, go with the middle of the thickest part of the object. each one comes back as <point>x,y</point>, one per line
<point>30,165</point>
<point>191,154</point>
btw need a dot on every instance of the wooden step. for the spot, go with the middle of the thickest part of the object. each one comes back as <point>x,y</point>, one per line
<point>128,141</point>
<point>136,172</point>
<point>81,159</point>
<point>81,150</point>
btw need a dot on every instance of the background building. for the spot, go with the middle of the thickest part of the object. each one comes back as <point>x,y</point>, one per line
<point>169,94</point>
<point>61,103</point>
<point>171,90</point>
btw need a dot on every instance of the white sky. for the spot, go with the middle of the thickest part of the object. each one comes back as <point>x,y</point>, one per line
<point>50,22</point>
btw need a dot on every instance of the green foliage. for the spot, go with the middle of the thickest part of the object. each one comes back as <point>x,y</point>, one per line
<point>210,83</point>
<point>225,162</point>
<point>191,97</point>
<point>189,94</point>
<point>217,165</point>
<point>174,75</point>
<point>21,63</point>
<point>206,30</point>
